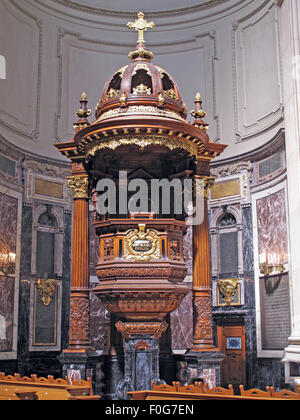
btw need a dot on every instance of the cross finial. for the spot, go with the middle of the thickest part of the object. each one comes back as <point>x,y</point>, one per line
<point>141,25</point>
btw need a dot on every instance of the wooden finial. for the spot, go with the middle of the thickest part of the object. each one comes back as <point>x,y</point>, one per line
<point>83,113</point>
<point>198,113</point>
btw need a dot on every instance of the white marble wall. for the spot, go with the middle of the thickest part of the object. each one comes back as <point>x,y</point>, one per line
<point>290,52</point>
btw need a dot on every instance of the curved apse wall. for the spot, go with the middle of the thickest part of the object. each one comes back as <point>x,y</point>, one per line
<point>55,50</point>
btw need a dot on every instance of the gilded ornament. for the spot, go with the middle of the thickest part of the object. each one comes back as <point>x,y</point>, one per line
<point>140,25</point>
<point>141,66</point>
<point>142,142</point>
<point>161,100</point>
<point>112,93</point>
<point>123,99</point>
<point>227,287</point>
<point>203,185</point>
<point>140,110</point>
<point>142,89</point>
<point>142,245</point>
<point>80,186</point>
<point>83,97</point>
<point>171,94</point>
<point>46,288</point>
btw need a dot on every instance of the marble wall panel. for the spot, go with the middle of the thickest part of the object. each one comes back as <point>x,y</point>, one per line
<point>9,239</point>
<point>272,225</point>
<point>182,324</point>
<point>98,323</point>
<point>247,240</point>
<point>188,252</point>
<point>7,289</point>
<point>8,222</point>
<point>94,245</point>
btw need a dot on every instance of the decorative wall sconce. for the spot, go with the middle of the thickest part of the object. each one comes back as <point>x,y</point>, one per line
<point>7,262</point>
<point>270,263</point>
<point>271,269</point>
<point>227,287</point>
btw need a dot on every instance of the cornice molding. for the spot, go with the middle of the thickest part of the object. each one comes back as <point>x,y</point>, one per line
<point>129,14</point>
<point>115,19</point>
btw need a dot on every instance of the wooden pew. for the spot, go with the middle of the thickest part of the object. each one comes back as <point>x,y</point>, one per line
<point>197,387</point>
<point>164,395</point>
<point>285,394</point>
<point>24,388</point>
<point>254,392</point>
<point>199,391</point>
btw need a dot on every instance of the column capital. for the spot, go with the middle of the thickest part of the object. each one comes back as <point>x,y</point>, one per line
<point>80,186</point>
<point>203,184</point>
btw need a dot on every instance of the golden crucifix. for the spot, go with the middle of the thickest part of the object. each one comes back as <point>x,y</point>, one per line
<point>141,25</point>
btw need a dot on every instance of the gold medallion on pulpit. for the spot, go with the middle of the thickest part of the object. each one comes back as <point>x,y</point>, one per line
<point>142,245</point>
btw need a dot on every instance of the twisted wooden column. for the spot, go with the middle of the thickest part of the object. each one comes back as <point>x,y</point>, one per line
<point>202,301</point>
<point>80,291</point>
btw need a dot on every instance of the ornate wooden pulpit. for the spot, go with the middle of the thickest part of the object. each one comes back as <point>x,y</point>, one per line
<point>139,143</point>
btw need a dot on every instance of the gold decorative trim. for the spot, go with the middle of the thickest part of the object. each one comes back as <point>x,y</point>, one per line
<point>46,288</point>
<point>141,66</point>
<point>162,72</point>
<point>121,71</point>
<point>142,142</point>
<point>139,110</point>
<point>80,186</point>
<point>142,245</point>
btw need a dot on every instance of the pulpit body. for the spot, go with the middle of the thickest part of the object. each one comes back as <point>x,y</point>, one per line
<point>140,162</point>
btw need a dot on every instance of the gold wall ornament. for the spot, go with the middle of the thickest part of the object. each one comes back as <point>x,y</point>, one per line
<point>80,186</point>
<point>141,25</point>
<point>46,288</point>
<point>142,245</point>
<point>203,185</point>
<point>227,287</point>
<point>142,142</point>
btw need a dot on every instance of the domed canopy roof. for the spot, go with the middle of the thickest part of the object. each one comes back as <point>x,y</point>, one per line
<point>141,83</point>
<point>140,106</point>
